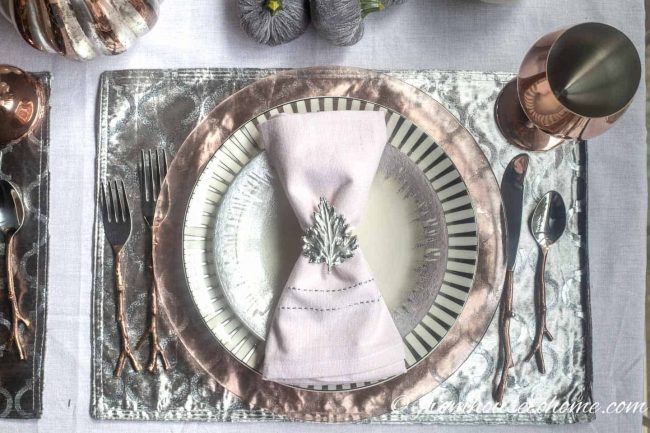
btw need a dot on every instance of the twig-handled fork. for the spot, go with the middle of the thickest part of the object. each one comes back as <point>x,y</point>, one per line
<point>152,173</point>
<point>117,226</point>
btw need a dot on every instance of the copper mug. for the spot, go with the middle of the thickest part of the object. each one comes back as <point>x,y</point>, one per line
<point>22,104</point>
<point>573,83</point>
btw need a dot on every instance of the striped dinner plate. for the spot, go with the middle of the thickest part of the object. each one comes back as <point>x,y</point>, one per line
<point>419,235</point>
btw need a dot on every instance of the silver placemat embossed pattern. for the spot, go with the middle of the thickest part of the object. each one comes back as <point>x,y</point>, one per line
<point>25,164</point>
<point>153,108</point>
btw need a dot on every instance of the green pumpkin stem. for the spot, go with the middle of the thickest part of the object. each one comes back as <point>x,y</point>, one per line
<point>369,6</point>
<point>273,5</point>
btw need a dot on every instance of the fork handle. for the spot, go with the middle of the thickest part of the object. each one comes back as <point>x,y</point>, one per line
<point>125,346</point>
<point>16,316</point>
<point>156,350</point>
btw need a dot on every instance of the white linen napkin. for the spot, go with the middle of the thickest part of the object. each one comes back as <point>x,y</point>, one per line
<point>329,326</point>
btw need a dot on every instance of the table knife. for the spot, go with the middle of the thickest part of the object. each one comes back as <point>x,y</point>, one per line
<point>512,194</point>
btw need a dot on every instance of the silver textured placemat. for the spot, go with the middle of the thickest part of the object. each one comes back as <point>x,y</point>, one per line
<point>25,164</point>
<point>144,109</point>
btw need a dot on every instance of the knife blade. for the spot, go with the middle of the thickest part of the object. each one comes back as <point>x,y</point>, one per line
<point>512,194</point>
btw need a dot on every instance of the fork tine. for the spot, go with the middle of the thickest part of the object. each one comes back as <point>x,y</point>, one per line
<point>104,203</point>
<point>164,159</point>
<point>110,207</point>
<point>116,203</point>
<point>120,202</point>
<point>159,175</point>
<point>111,200</point>
<point>154,190</point>
<point>144,184</point>
<point>125,209</point>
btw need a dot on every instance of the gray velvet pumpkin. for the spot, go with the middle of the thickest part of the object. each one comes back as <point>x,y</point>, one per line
<point>341,21</point>
<point>274,22</point>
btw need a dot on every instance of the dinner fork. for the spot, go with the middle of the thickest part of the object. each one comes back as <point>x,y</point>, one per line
<point>117,227</point>
<point>153,168</point>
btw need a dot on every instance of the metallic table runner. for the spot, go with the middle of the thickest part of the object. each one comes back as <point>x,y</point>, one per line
<point>155,108</point>
<point>26,165</point>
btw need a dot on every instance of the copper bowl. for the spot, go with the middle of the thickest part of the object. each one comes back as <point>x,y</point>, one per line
<point>573,83</point>
<point>22,104</point>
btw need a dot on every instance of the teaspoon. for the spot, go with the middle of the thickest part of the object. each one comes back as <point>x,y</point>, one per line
<point>547,225</point>
<point>11,219</point>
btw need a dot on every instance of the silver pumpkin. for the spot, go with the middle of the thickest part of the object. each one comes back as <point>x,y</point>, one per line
<point>81,29</point>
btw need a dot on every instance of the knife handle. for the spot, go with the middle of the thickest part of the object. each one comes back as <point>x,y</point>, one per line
<point>506,312</point>
<point>505,315</point>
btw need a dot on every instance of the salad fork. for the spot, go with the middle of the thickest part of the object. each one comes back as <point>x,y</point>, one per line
<point>153,168</point>
<point>117,227</point>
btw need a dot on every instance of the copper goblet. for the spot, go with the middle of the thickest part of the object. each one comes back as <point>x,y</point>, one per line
<point>22,104</point>
<point>574,83</point>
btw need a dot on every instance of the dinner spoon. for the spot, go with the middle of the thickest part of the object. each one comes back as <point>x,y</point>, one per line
<point>11,219</point>
<point>547,225</point>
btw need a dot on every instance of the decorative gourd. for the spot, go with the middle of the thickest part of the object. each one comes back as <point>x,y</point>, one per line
<point>341,21</point>
<point>274,22</point>
<point>81,29</point>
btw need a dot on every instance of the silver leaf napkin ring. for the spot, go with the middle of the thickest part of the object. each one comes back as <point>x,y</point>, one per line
<point>328,240</point>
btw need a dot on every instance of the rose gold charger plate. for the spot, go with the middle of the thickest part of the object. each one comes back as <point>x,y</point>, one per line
<point>339,405</point>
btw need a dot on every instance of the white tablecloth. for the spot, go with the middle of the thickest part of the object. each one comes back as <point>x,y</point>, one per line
<point>440,34</point>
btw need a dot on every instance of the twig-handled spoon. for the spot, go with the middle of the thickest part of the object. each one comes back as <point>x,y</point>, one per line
<point>11,219</point>
<point>547,225</point>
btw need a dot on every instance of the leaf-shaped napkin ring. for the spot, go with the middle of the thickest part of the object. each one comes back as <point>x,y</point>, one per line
<point>329,239</point>
<point>330,325</point>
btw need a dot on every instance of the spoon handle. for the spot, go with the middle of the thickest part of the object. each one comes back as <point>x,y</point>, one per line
<point>16,316</point>
<point>540,312</point>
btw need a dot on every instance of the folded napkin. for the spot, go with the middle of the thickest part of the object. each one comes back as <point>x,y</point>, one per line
<point>331,324</point>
